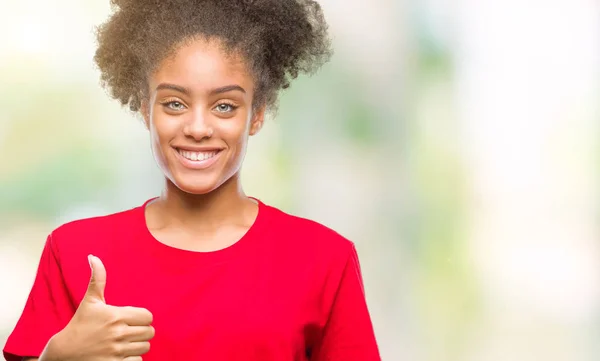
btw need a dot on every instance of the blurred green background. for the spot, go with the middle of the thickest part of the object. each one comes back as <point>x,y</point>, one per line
<point>456,143</point>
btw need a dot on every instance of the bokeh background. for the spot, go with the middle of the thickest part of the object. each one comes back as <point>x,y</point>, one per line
<point>455,142</point>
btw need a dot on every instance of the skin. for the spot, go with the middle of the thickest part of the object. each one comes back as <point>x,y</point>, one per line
<point>208,202</point>
<point>100,332</point>
<point>200,97</point>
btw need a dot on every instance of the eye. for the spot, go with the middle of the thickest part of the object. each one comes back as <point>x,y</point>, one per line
<point>225,108</point>
<point>174,105</point>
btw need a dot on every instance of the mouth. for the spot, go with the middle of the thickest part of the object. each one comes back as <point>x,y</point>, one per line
<point>197,156</point>
<point>195,159</point>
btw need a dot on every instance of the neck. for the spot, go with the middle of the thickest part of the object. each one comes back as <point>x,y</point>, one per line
<point>225,204</point>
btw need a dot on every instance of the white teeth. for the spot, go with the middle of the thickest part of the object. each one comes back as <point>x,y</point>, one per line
<point>197,156</point>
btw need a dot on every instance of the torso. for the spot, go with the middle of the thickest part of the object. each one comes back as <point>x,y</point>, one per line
<point>265,297</point>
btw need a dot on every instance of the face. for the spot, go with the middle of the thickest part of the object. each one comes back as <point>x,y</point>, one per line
<point>200,115</point>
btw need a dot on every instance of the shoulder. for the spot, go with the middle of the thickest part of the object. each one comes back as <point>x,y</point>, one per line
<point>305,235</point>
<point>310,254</point>
<point>96,225</point>
<point>90,234</point>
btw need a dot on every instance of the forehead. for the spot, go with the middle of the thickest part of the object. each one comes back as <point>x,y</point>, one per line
<point>203,64</point>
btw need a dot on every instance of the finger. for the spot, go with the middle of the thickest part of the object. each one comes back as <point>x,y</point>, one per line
<point>136,348</point>
<point>139,333</point>
<point>133,358</point>
<point>135,316</point>
<point>97,280</point>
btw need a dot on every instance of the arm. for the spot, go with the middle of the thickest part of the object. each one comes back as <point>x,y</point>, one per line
<point>47,311</point>
<point>348,334</point>
<point>51,328</point>
<point>44,356</point>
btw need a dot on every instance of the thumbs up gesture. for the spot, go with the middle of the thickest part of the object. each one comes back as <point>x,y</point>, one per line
<point>101,332</point>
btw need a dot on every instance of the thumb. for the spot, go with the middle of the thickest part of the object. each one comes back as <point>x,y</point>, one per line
<point>97,280</point>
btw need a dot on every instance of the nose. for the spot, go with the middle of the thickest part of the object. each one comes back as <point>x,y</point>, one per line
<point>198,126</point>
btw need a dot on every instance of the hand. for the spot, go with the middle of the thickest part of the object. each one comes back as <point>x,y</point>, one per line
<point>100,332</point>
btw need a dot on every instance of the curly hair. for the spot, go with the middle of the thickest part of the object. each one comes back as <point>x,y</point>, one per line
<point>279,39</point>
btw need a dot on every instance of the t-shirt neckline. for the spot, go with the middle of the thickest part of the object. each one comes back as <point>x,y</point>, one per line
<point>166,252</point>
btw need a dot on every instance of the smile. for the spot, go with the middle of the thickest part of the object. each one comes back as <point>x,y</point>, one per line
<point>198,159</point>
<point>197,156</point>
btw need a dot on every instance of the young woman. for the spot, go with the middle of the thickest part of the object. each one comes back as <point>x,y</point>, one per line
<point>202,272</point>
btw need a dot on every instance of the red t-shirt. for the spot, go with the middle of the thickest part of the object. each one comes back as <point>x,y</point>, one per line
<point>290,289</point>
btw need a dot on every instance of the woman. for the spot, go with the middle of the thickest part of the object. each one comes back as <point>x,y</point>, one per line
<point>202,272</point>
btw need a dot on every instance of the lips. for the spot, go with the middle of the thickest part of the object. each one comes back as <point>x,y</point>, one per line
<point>198,159</point>
<point>197,156</point>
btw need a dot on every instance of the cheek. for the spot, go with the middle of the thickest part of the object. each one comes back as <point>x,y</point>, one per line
<point>235,134</point>
<point>238,138</point>
<point>162,130</point>
<point>237,130</point>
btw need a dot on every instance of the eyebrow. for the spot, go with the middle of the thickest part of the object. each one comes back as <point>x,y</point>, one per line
<point>187,91</point>
<point>177,88</point>
<point>227,88</point>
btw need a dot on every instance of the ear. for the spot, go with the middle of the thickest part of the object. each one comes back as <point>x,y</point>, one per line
<point>145,113</point>
<point>258,119</point>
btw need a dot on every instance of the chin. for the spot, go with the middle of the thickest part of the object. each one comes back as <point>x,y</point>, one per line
<point>196,189</point>
<point>197,186</point>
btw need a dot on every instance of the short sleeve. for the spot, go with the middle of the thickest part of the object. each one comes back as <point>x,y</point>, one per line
<point>47,311</point>
<point>348,334</point>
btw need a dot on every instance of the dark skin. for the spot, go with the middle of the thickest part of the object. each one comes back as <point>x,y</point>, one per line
<point>199,114</point>
<point>212,110</point>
